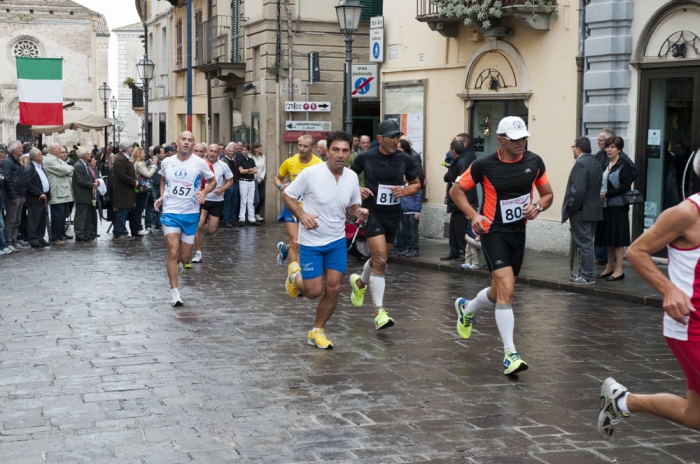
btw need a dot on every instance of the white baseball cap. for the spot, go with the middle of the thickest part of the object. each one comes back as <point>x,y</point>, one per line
<point>513,127</point>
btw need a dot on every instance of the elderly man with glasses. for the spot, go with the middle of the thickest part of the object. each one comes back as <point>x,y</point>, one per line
<point>84,185</point>
<point>60,175</point>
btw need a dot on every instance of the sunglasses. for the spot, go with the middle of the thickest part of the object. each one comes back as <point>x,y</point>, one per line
<point>522,139</point>
<point>392,137</point>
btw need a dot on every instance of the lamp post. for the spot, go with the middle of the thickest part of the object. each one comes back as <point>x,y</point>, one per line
<point>113,104</point>
<point>120,128</point>
<point>145,68</point>
<point>105,91</point>
<point>349,12</point>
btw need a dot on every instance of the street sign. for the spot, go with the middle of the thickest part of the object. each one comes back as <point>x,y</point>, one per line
<point>365,81</point>
<point>296,86</point>
<point>376,22</point>
<point>311,107</point>
<point>376,45</point>
<point>293,136</point>
<point>324,126</point>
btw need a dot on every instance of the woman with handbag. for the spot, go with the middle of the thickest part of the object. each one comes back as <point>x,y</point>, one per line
<point>260,163</point>
<point>145,187</point>
<point>613,231</point>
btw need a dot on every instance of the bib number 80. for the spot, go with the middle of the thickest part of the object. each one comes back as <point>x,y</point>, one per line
<point>514,210</point>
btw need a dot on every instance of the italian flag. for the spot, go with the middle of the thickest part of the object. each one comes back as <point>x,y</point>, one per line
<point>40,91</point>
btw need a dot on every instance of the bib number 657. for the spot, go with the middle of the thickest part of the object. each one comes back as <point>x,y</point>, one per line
<point>181,191</point>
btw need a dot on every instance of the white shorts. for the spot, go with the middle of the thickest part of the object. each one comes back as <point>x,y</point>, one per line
<point>184,238</point>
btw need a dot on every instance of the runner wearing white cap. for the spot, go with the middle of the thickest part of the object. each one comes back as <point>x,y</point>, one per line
<point>508,178</point>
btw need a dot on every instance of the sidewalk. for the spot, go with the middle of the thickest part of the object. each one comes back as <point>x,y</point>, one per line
<point>540,269</point>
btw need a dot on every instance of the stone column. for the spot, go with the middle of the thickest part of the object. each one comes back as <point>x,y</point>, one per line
<point>607,76</point>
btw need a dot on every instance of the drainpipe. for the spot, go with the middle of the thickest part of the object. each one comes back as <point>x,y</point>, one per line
<point>189,65</point>
<point>580,62</point>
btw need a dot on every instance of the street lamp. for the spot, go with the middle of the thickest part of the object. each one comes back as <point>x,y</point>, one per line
<point>113,104</point>
<point>349,12</point>
<point>120,128</point>
<point>146,68</point>
<point>105,92</point>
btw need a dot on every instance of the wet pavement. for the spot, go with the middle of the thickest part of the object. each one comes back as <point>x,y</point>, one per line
<point>97,367</point>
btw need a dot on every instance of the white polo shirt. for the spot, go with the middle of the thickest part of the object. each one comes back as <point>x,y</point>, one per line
<point>328,199</point>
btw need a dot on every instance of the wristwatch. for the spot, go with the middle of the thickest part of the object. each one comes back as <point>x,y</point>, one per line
<point>539,207</point>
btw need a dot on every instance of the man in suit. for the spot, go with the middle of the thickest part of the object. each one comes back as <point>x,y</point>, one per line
<point>38,195</point>
<point>123,196</point>
<point>84,185</point>
<point>582,207</point>
<point>59,173</point>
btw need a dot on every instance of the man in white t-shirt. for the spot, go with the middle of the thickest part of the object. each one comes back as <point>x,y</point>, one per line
<point>328,189</point>
<point>213,206</point>
<point>180,194</point>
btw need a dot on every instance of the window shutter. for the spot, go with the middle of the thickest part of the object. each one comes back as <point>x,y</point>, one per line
<point>371,8</point>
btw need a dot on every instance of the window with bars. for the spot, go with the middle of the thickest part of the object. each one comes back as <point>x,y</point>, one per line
<point>178,38</point>
<point>198,42</point>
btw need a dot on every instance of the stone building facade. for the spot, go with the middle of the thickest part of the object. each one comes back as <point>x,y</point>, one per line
<point>131,49</point>
<point>53,29</point>
<point>630,66</point>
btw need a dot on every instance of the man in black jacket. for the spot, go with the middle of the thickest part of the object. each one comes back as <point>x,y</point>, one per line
<point>84,185</point>
<point>14,200</point>
<point>462,158</point>
<point>38,194</point>
<point>582,207</point>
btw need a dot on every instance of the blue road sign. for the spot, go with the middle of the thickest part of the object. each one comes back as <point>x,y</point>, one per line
<point>358,85</point>
<point>375,50</point>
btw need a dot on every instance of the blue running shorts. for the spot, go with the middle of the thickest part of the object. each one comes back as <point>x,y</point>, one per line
<point>187,223</point>
<point>314,260</point>
<point>287,216</point>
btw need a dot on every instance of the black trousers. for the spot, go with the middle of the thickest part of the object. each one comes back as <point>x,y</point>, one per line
<point>36,223</point>
<point>458,227</point>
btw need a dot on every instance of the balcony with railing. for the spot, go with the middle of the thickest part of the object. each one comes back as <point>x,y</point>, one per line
<point>218,51</point>
<point>527,11</point>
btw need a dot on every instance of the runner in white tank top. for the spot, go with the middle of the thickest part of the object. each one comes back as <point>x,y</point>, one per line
<point>677,228</point>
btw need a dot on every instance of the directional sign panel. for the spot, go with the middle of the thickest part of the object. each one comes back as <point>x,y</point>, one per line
<point>376,45</point>
<point>310,107</point>
<point>323,126</point>
<point>365,82</point>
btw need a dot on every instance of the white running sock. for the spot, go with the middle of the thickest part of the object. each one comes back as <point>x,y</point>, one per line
<point>376,284</point>
<point>505,320</point>
<point>317,330</point>
<point>366,271</point>
<point>198,254</point>
<point>480,302</point>
<point>622,403</point>
<point>173,290</point>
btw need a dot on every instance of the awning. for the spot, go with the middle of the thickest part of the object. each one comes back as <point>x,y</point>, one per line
<point>74,120</point>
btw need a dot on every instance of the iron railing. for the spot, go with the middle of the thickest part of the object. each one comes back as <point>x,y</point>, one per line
<point>219,41</point>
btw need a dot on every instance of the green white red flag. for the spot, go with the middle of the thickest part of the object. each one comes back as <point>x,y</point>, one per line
<point>40,91</point>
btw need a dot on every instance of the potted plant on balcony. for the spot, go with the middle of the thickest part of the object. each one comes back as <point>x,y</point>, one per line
<point>129,82</point>
<point>481,11</point>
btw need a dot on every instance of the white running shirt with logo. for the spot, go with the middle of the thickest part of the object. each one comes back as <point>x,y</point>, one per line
<point>222,173</point>
<point>183,180</point>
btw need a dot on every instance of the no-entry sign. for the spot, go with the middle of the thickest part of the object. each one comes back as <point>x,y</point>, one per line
<point>365,82</point>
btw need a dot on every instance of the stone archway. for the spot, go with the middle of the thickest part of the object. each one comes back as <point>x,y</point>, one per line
<point>520,91</point>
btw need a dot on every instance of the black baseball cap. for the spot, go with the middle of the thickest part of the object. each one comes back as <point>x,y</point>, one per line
<point>389,127</point>
<point>168,149</point>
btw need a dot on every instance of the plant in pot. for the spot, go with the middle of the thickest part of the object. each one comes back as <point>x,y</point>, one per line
<point>129,82</point>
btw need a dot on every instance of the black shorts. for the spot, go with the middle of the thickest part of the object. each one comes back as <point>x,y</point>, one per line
<point>504,250</point>
<point>383,224</point>
<point>215,208</point>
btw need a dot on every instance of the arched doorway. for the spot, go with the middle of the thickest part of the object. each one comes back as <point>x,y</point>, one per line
<point>668,128</point>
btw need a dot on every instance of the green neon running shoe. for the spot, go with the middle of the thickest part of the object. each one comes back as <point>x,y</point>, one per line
<point>358,295</point>
<point>382,320</point>
<point>464,320</point>
<point>188,265</point>
<point>512,363</point>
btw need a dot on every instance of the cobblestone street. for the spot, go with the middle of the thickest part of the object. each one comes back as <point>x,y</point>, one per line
<point>97,367</point>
